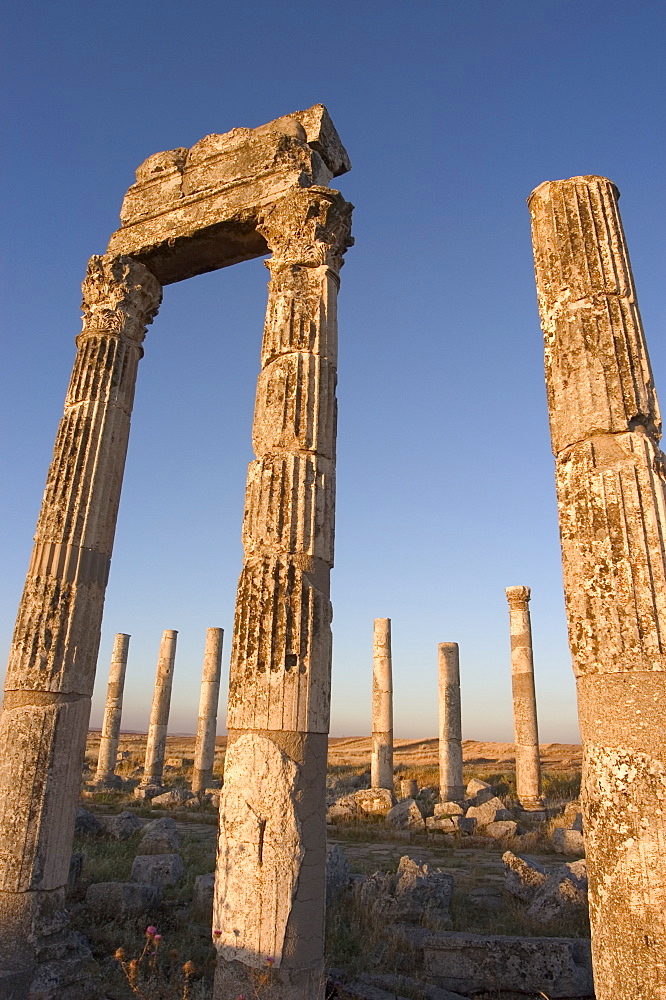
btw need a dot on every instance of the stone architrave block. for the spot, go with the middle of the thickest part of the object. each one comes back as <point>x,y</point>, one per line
<point>123,826</point>
<point>376,801</point>
<point>558,967</point>
<point>491,811</point>
<point>338,872</point>
<point>568,841</point>
<point>501,828</point>
<point>115,899</point>
<point>158,869</point>
<point>448,809</point>
<point>86,823</point>
<point>522,878</point>
<point>202,899</point>
<point>406,815</point>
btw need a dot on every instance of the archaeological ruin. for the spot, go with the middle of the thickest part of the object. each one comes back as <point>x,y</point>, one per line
<point>451,787</point>
<point>108,744</point>
<point>526,731</point>
<point>151,783</point>
<point>204,749</point>
<point>381,767</point>
<point>230,198</point>
<point>611,477</point>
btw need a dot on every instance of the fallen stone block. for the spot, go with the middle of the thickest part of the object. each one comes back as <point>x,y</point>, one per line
<point>421,890</point>
<point>406,815</point>
<point>147,792</point>
<point>558,967</point>
<point>409,788</point>
<point>501,828</point>
<point>180,761</point>
<point>86,823</point>
<point>338,872</point>
<point>123,826</point>
<point>522,878</point>
<point>174,797</point>
<point>375,801</point>
<point>158,869</point>
<point>164,841</point>
<point>159,824</point>
<point>202,898</point>
<point>564,892</point>
<point>490,811</point>
<point>448,809</point>
<point>568,841</point>
<point>464,824</point>
<point>443,824</point>
<point>343,808</point>
<point>115,899</point>
<point>478,792</point>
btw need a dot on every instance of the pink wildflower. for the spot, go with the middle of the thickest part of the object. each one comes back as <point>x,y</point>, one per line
<point>151,931</point>
<point>157,937</point>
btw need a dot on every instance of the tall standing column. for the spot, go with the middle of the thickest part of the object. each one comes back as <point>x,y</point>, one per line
<point>381,772</point>
<point>204,751</point>
<point>108,744</point>
<point>270,880</point>
<point>51,669</point>
<point>605,427</point>
<point>451,787</point>
<point>153,768</point>
<point>525,728</point>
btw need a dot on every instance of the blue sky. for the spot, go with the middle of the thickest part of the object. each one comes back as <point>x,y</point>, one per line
<point>452,113</point>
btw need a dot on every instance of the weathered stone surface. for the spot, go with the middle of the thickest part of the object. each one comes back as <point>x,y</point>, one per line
<point>123,826</point>
<point>382,706</point>
<point>75,868</point>
<point>376,801</point>
<point>409,788</point>
<point>558,967</point>
<point>86,823</point>
<point>526,733</point>
<point>204,752</point>
<point>522,878</point>
<point>158,869</point>
<point>153,770</point>
<point>408,894</point>
<point>451,786</point>
<point>338,872</point>
<point>108,744</point>
<point>448,809</point>
<point>610,479</point>
<point>500,828</point>
<point>443,824</point>
<point>564,891</point>
<point>159,842</point>
<point>568,841</point>
<point>148,792</point>
<point>202,899</point>
<point>115,899</point>
<point>174,797</point>
<point>464,824</point>
<point>478,792</point>
<point>155,826</point>
<point>490,811</point>
<point>346,807</point>
<point>406,815</point>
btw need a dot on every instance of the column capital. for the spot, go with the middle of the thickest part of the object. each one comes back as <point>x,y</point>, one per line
<point>120,298</point>
<point>517,597</point>
<point>310,227</point>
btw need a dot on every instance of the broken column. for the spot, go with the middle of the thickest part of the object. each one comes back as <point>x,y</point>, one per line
<point>105,776</point>
<point>525,729</point>
<point>204,750</point>
<point>605,428</point>
<point>382,706</point>
<point>51,671</point>
<point>451,786</point>
<point>270,880</point>
<point>151,783</point>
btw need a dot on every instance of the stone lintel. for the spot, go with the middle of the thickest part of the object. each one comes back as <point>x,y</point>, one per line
<point>192,211</point>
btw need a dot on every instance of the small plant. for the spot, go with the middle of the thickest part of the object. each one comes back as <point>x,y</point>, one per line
<point>150,978</point>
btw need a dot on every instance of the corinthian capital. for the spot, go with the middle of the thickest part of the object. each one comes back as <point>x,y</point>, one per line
<point>310,227</point>
<point>518,597</point>
<point>120,297</point>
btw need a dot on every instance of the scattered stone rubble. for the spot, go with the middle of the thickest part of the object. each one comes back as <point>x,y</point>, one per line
<point>549,895</point>
<point>410,893</point>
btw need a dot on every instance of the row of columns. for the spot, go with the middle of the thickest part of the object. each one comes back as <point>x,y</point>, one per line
<point>204,751</point>
<point>526,735</point>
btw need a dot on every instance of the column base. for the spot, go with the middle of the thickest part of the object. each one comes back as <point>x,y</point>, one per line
<point>233,979</point>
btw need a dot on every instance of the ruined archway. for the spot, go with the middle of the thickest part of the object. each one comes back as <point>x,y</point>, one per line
<point>229,198</point>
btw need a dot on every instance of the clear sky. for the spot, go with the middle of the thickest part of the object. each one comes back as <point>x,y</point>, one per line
<point>452,112</point>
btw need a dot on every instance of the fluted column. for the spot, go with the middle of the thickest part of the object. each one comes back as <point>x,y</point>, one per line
<point>270,881</point>
<point>108,744</point>
<point>51,668</point>
<point>605,428</point>
<point>525,727</point>
<point>204,750</point>
<point>381,768</point>
<point>451,787</point>
<point>153,768</point>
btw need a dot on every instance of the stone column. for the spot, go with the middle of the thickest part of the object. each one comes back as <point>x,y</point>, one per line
<point>605,427</point>
<point>204,751</point>
<point>108,744</point>
<point>525,729</point>
<point>381,771</point>
<point>153,768</point>
<point>51,668</point>
<point>451,786</point>
<point>270,881</point>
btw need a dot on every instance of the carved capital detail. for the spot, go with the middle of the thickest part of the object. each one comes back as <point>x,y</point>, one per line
<point>518,597</point>
<point>310,227</point>
<point>120,298</point>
